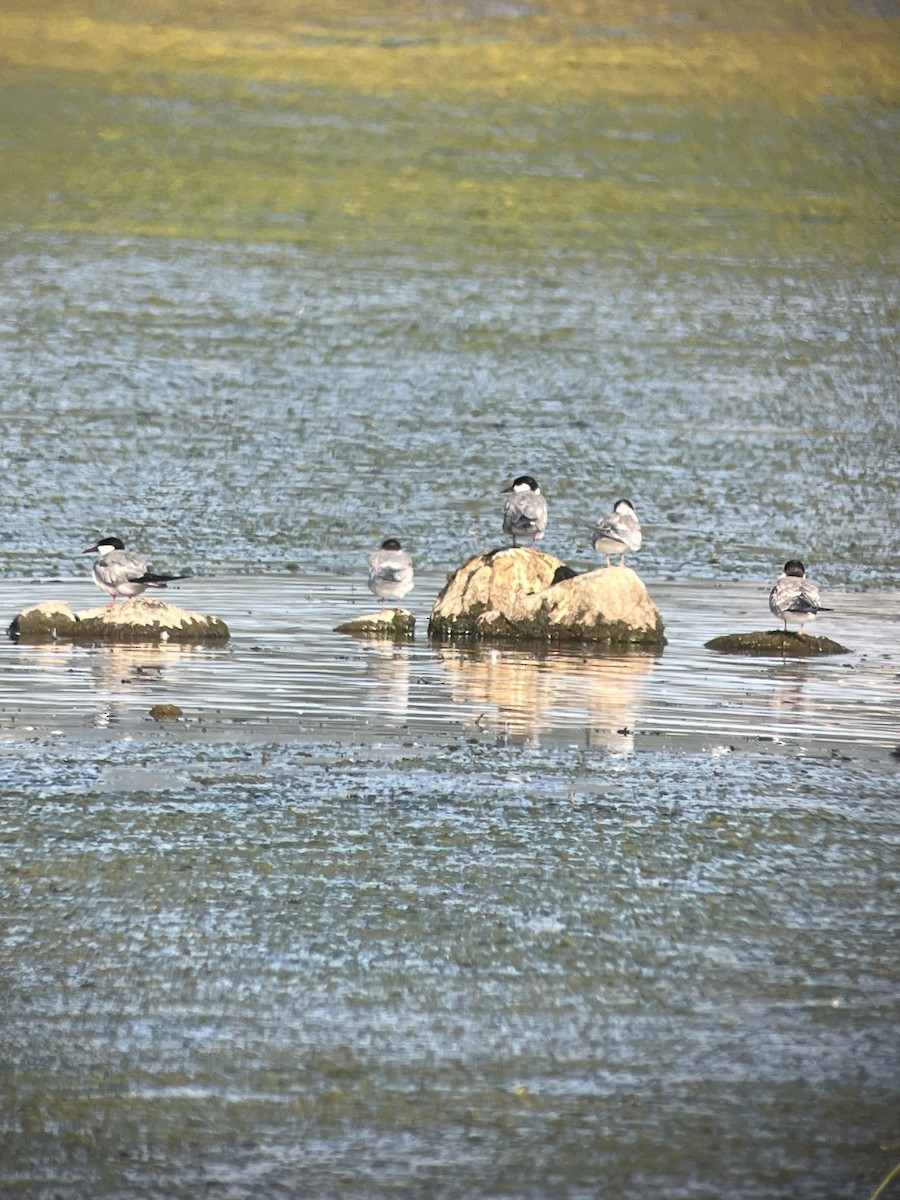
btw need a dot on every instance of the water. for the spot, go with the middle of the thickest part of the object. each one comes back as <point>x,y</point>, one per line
<point>287,674</point>
<point>254,409</point>
<point>450,970</point>
<point>377,920</point>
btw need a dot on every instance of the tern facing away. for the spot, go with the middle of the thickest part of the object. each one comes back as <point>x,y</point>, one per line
<point>618,532</point>
<point>525,514</point>
<point>119,572</point>
<point>795,598</point>
<point>390,572</point>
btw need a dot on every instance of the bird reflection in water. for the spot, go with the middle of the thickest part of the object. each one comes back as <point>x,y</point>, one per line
<point>789,697</point>
<point>524,694</point>
<point>388,669</point>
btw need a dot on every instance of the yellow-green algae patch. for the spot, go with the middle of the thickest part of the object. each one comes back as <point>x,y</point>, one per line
<point>388,125</point>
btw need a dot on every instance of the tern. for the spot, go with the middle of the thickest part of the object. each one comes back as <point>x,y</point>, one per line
<point>120,572</point>
<point>795,598</point>
<point>390,572</point>
<point>618,532</point>
<point>525,514</point>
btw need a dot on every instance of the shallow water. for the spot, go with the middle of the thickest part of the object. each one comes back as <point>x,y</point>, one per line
<point>255,408</point>
<point>287,672</point>
<point>451,969</point>
<point>378,921</point>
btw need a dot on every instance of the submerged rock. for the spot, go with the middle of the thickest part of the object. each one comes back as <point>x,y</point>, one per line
<point>775,643</point>
<point>389,623</point>
<point>141,619</point>
<point>511,594</point>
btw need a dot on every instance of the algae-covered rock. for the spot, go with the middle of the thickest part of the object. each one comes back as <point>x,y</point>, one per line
<point>389,623</point>
<point>775,643</point>
<point>141,619</point>
<point>166,712</point>
<point>51,621</point>
<point>510,594</point>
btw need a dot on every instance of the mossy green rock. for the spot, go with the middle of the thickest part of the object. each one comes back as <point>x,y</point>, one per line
<point>141,619</point>
<point>775,644</point>
<point>390,623</point>
<point>509,595</point>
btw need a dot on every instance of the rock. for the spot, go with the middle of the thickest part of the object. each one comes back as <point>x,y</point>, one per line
<point>509,594</point>
<point>389,623</point>
<point>51,621</point>
<point>141,619</point>
<point>775,643</point>
<point>166,712</point>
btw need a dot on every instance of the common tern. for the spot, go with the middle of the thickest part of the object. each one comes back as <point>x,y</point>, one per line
<point>618,532</point>
<point>119,572</point>
<point>525,514</point>
<point>390,572</point>
<point>795,598</point>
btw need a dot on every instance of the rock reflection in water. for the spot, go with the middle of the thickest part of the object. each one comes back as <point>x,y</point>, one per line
<point>124,675</point>
<point>526,693</point>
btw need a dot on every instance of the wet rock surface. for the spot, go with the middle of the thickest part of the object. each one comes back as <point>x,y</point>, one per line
<point>390,623</point>
<point>775,642</point>
<point>510,594</point>
<point>142,619</point>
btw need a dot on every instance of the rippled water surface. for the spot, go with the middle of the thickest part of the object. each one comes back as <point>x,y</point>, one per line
<point>287,671</point>
<point>449,970</point>
<point>280,281</point>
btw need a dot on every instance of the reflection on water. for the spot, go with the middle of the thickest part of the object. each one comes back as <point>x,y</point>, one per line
<point>387,667</point>
<point>122,675</point>
<point>523,693</point>
<point>789,695</point>
<point>113,679</point>
<point>286,667</point>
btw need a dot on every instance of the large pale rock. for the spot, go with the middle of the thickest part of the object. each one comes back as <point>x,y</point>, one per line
<point>141,619</point>
<point>510,594</point>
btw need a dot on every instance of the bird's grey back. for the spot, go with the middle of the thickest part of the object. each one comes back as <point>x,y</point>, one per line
<point>119,566</point>
<point>525,512</point>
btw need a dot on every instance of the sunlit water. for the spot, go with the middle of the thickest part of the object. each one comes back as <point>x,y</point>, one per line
<point>247,408</point>
<point>287,672</point>
<point>448,922</point>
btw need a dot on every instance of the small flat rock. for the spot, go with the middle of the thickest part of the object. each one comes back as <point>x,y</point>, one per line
<point>510,594</point>
<point>391,623</point>
<point>775,644</point>
<point>141,619</point>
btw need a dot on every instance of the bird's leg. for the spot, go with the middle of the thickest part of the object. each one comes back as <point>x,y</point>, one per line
<point>607,560</point>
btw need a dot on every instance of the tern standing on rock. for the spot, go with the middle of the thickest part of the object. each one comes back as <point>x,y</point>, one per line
<point>618,532</point>
<point>390,572</point>
<point>525,515</point>
<point>795,598</point>
<point>119,572</point>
